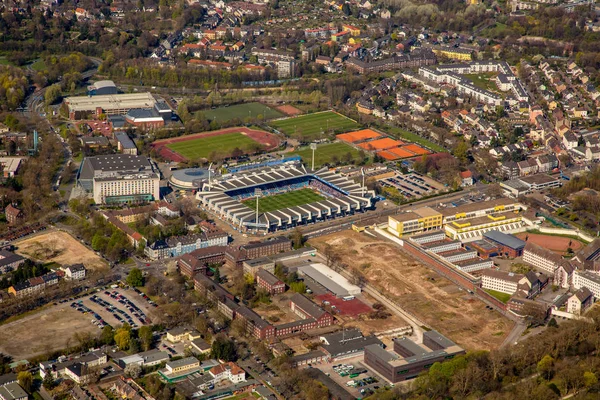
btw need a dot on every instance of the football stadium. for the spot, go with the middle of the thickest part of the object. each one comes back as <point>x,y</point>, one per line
<point>288,196</point>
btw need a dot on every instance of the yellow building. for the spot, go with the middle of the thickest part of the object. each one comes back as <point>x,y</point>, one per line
<point>354,40</point>
<point>354,31</point>
<point>364,108</point>
<point>480,209</point>
<point>417,221</point>
<point>472,229</point>
<point>454,53</point>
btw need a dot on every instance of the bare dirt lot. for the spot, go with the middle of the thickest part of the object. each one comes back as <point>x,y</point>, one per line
<point>60,247</point>
<point>47,330</point>
<point>419,290</point>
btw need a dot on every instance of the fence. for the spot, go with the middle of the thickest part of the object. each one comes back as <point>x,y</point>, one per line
<point>564,232</point>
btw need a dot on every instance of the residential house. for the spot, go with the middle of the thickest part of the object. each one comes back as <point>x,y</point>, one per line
<point>269,282</point>
<point>579,302</point>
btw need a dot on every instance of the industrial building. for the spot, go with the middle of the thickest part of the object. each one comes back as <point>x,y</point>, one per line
<point>124,144</point>
<point>102,88</point>
<point>119,178</point>
<point>409,359</point>
<point>82,107</point>
<point>330,280</point>
<point>346,343</point>
<point>508,245</point>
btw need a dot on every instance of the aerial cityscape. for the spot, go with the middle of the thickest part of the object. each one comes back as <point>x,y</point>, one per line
<point>283,199</point>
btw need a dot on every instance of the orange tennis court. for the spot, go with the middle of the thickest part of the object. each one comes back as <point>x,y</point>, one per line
<point>380,144</point>
<point>414,148</point>
<point>358,136</point>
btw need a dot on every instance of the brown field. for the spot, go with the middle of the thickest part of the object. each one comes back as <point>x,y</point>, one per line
<point>59,247</point>
<point>556,244</point>
<point>420,291</point>
<point>289,110</point>
<point>47,330</point>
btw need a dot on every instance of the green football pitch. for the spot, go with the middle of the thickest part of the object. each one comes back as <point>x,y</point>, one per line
<point>314,126</point>
<point>330,153</point>
<point>284,200</point>
<point>204,146</point>
<point>241,111</point>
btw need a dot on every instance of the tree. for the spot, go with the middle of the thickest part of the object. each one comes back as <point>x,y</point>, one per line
<point>217,275</point>
<point>546,367</point>
<point>108,335</point>
<point>298,287</point>
<point>145,335</point>
<point>461,151</point>
<point>223,348</point>
<point>346,9</point>
<point>52,94</point>
<point>589,379</point>
<point>25,380</point>
<point>133,370</point>
<point>123,338</point>
<point>297,238</point>
<point>49,382</point>
<point>135,278</point>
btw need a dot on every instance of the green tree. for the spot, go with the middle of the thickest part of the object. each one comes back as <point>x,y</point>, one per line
<point>546,366</point>
<point>135,278</point>
<point>52,94</point>
<point>25,380</point>
<point>298,287</point>
<point>217,276</point>
<point>461,151</point>
<point>297,238</point>
<point>49,382</point>
<point>589,379</point>
<point>145,335</point>
<point>223,348</point>
<point>123,338</point>
<point>108,335</point>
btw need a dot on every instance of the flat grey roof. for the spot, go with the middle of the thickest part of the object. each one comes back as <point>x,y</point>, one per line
<point>505,239</point>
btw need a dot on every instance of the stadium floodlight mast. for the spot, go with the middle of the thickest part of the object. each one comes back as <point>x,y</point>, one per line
<point>257,193</point>
<point>362,172</point>
<point>209,171</point>
<point>313,147</point>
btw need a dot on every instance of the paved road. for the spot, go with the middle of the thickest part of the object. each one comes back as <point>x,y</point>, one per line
<point>514,335</point>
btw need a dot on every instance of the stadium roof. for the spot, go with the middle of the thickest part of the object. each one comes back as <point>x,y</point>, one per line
<point>504,239</point>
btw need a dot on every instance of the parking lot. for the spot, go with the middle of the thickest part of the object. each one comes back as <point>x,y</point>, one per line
<point>359,380</point>
<point>115,307</point>
<point>412,185</point>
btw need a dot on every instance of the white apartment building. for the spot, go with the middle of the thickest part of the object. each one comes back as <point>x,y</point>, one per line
<point>472,265</point>
<point>75,272</point>
<point>457,256</point>
<point>505,282</point>
<point>541,258</point>
<point>442,246</point>
<point>588,280</point>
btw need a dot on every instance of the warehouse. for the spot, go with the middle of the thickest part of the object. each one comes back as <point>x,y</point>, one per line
<point>82,107</point>
<point>329,280</point>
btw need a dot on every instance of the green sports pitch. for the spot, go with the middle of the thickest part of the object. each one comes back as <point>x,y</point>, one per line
<point>284,200</point>
<point>330,153</point>
<point>241,111</point>
<point>313,126</point>
<point>204,146</point>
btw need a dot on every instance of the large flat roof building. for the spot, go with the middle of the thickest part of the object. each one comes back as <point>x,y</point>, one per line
<point>119,178</point>
<point>81,106</point>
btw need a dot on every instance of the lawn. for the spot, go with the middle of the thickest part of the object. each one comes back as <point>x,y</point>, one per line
<point>328,154</point>
<point>241,111</point>
<point>483,80</point>
<point>204,146</point>
<point>503,297</point>
<point>38,65</point>
<point>313,126</point>
<point>413,137</point>
<point>284,200</point>
<point>4,61</point>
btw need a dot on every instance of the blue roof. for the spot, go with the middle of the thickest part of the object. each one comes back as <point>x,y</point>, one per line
<point>505,239</point>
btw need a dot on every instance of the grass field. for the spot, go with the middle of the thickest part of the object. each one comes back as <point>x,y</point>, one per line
<point>483,80</point>
<point>284,200</point>
<point>38,65</point>
<point>413,137</point>
<point>503,297</point>
<point>203,147</point>
<point>328,154</point>
<point>4,61</point>
<point>241,111</point>
<point>312,126</point>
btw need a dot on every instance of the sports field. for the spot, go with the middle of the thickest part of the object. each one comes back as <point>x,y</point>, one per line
<point>330,153</point>
<point>284,200</point>
<point>204,146</point>
<point>241,111</point>
<point>313,126</point>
